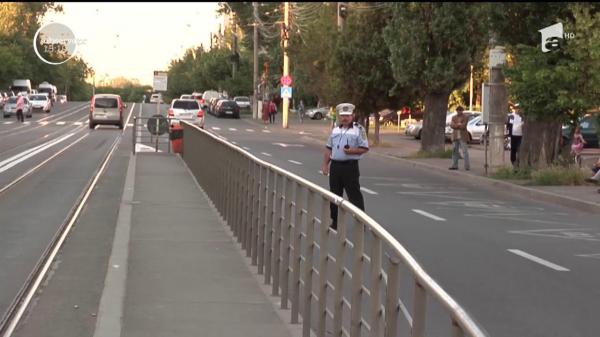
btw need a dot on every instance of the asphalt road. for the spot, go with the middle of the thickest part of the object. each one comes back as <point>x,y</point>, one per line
<point>521,267</point>
<point>68,154</point>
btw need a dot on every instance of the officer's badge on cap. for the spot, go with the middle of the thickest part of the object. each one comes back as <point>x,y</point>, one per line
<point>345,109</point>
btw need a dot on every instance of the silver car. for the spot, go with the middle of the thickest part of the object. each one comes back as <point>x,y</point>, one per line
<point>11,107</point>
<point>242,101</point>
<point>106,109</point>
<point>188,110</point>
<point>317,113</point>
<point>414,130</point>
<point>40,102</point>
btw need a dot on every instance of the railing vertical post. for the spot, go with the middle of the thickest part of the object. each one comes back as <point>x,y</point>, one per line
<point>264,195</point>
<point>277,223</point>
<point>256,219</point>
<point>308,264</point>
<point>357,278</point>
<point>323,258</point>
<point>457,331</point>
<point>296,254</point>
<point>338,303</point>
<point>287,223</point>
<point>391,299</point>
<point>419,311</point>
<point>375,282</point>
<point>269,225</point>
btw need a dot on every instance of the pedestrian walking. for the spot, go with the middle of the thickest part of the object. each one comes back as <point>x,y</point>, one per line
<point>272,112</point>
<point>301,111</point>
<point>333,115</point>
<point>460,138</point>
<point>345,146</point>
<point>20,106</point>
<point>577,145</point>
<point>515,131</point>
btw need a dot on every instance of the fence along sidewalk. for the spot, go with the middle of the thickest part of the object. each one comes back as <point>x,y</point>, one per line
<point>280,220</point>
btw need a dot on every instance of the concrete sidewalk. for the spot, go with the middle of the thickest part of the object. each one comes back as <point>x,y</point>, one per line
<point>398,146</point>
<point>184,276</point>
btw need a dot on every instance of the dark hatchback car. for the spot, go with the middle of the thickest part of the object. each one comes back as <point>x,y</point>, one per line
<point>227,108</point>
<point>589,131</point>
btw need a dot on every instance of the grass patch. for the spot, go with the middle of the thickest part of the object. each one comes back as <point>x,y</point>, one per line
<point>507,173</point>
<point>558,175</point>
<point>445,154</point>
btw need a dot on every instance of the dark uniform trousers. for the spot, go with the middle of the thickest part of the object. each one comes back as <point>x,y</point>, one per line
<point>343,175</point>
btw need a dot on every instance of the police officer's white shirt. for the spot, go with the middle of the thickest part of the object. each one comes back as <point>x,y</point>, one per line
<point>355,136</point>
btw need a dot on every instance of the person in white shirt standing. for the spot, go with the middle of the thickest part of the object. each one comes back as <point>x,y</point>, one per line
<point>515,130</point>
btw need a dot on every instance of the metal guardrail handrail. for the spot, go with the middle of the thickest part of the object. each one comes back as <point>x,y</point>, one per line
<point>256,238</point>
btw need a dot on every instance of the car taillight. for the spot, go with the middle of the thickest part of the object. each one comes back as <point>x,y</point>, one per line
<point>202,101</point>
<point>171,114</point>
<point>200,113</point>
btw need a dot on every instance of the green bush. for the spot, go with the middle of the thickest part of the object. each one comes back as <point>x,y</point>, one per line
<point>558,175</point>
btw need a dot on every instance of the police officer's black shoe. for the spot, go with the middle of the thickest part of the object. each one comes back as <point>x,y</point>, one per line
<point>452,168</point>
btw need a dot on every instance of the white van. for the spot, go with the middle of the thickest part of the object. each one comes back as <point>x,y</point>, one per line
<point>156,98</point>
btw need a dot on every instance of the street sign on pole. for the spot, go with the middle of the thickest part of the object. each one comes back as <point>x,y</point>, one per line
<point>160,81</point>
<point>286,80</point>
<point>286,92</point>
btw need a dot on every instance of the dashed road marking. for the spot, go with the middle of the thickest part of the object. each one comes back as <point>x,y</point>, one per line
<point>61,123</point>
<point>8,123</point>
<point>250,130</point>
<point>295,162</point>
<point>215,128</point>
<point>429,215</point>
<point>246,148</point>
<point>537,260</point>
<point>266,154</point>
<point>368,191</point>
<point>232,129</point>
<point>266,131</point>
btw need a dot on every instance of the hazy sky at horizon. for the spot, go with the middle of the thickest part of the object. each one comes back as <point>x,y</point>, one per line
<point>134,39</point>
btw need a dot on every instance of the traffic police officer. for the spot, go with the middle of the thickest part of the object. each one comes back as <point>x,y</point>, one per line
<point>345,146</point>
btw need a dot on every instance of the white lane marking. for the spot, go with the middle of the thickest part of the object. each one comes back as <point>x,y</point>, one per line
<point>368,191</point>
<point>429,215</point>
<point>8,123</point>
<point>215,128</point>
<point>21,157</point>
<point>246,148</point>
<point>249,130</point>
<point>304,133</point>
<point>266,131</point>
<point>295,162</point>
<point>145,148</point>
<point>26,123</point>
<point>232,129</point>
<point>60,123</point>
<point>538,260</point>
<point>78,123</point>
<point>266,154</point>
<point>288,145</point>
<point>130,125</point>
<point>234,143</point>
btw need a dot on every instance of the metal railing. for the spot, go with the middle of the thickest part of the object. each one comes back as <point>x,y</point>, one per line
<point>141,135</point>
<point>342,283</point>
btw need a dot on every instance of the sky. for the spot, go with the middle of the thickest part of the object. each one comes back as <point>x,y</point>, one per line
<point>134,39</point>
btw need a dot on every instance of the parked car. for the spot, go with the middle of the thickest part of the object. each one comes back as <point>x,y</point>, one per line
<point>243,102</point>
<point>61,98</point>
<point>208,95</point>
<point>415,129</point>
<point>188,110</point>
<point>41,102</point>
<point>106,109</point>
<point>213,104</point>
<point>11,107</point>
<point>317,113</point>
<point>227,108</point>
<point>589,131</point>
<point>185,97</point>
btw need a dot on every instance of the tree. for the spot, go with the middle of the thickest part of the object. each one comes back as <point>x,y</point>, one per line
<point>361,64</point>
<point>557,87</point>
<point>432,46</point>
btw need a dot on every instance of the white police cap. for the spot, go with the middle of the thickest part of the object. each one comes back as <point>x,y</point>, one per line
<point>345,109</point>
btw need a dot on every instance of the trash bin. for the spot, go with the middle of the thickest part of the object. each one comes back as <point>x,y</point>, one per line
<point>176,137</point>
